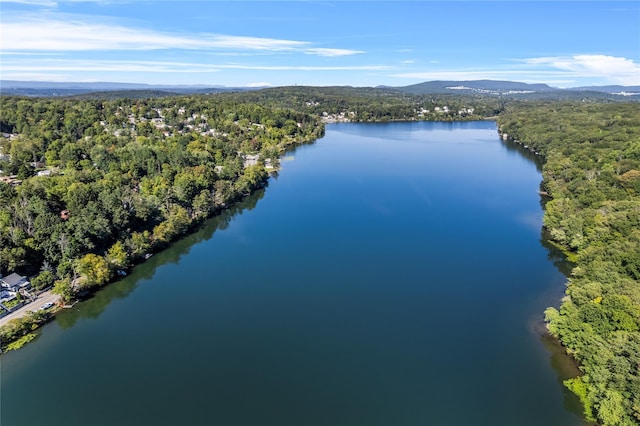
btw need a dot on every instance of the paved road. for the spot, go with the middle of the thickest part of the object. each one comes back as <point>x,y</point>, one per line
<point>43,298</point>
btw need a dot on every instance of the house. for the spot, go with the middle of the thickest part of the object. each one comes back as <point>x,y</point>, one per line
<point>11,285</point>
<point>14,283</point>
<point>251,160</point>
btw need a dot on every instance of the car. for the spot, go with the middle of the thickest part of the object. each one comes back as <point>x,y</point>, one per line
<point>46,306</point>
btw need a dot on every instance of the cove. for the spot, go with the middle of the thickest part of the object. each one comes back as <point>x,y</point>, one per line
<point>390,274</point>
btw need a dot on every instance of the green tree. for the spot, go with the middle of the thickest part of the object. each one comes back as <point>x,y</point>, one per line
<point>139,243</point>
<point>117,256</point>
<point>43,280</point>
<point>93,270</point>
<point>64,289</point>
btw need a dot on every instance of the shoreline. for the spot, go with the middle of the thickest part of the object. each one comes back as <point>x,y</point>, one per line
<point>286,147</point>
<point>568,366</point>
<point>33,319</point>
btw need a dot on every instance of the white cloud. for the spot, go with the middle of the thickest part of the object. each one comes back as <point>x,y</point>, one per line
<point>248,43</point>
<point>60,33</point>
<point>259,84</point>
<point>35,76</point>
<point>75,35</point>
<point>54,3</point>
<point>108,66</point>
<point>46,3</point>
<point>615,69</point>
<point>30,53</point>
<point>320,51</point>
<point>306,68</point>
<point>161,66</point>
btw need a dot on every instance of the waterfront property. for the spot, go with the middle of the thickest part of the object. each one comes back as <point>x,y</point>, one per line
<point>12,288</point>
<point>14,283</point>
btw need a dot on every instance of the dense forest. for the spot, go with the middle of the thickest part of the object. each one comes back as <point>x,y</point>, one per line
<point>592,176</point>
<point>93,184</point>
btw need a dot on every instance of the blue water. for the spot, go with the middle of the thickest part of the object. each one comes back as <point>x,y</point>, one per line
<point>391,274</point>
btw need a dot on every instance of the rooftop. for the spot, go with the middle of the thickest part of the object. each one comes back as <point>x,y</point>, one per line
<point>13,279</point>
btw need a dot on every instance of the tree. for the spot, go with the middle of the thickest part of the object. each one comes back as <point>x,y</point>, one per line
<point>64,289</point>
<point>203,204</point>
<point>43,280</point>
<point>117,256</point>
<point>139,243</point>
<point>93,270</point>
<point>254,177</point>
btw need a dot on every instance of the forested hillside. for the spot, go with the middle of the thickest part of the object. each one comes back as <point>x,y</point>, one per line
<point>367,104</point>
<point>592,174</point>
<point>96,185</point>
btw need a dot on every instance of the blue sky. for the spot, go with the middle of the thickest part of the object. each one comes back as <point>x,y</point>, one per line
<point>361,43</point>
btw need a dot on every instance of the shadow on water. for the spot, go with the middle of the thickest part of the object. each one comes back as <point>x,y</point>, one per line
<point>563,364</point>
<point>536,159</point>
<point>555,255</point>
<point>94,306</point>
<point>565,368</point>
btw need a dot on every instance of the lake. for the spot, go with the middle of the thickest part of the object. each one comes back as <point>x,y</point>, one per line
<point>391,274</point>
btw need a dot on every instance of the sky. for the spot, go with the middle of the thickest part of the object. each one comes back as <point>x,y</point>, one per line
<point>357,43</point>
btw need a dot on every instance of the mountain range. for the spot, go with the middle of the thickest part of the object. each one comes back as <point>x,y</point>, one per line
<point>473,87</point>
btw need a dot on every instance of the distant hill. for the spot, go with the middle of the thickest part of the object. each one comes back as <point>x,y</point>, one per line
<point>627,90</point>
<point>520,90</point>
<point>49,88</point>
<point>124,94</point>
<point>484,87</point>
<point>498,88</point>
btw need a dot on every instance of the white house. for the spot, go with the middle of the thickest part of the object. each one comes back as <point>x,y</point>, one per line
<point>14,283</point>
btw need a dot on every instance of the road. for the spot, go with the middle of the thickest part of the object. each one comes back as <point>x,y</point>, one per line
<point>43,298</point>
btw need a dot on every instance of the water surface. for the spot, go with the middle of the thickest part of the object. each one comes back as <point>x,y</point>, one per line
<point>391,274</point>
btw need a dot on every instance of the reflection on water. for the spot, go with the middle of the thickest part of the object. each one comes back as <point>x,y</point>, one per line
<point>525,152</point>
<point>566,368</point>
<point>95,305</point>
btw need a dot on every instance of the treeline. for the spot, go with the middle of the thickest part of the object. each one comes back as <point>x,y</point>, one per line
<point>104,182</point>
<point>592,174</point>
<point>365,104</point>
